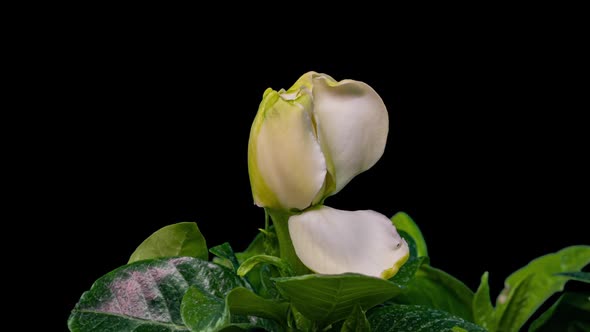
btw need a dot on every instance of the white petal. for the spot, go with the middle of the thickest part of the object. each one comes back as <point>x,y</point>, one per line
<point>330,241</point>
<point>352,125</point>
<point>288,155</point>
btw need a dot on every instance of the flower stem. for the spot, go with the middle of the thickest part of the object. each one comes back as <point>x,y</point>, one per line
<point>287,251</point>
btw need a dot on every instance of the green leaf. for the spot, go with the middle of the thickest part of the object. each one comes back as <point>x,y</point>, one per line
<point>251,262</point>
<point>271,242</point>
<point>411,245</point>
<point>147,295</point>
<point>415,318</point>
<point>259,276</point>
<point>526,289</point>
<point>241,327</point>
<point>403,222</point>
<point>328,298</point>
<point>243,301</point>
<point>261,280</point>
<point>437,289</point>
<point>238,328</point>
<point>203,312</point>
<point>408,271</point>
<point>182,239</point>
<point>225,251</point>
<point>356,322</point>
<point>298,322</point>
<point>265,243</point>
<point>256,247</point>
<point>223,262</point>
<point>578,276</point>
<point>571,312</point>
<point>483,310</point>
<point>458,329</point>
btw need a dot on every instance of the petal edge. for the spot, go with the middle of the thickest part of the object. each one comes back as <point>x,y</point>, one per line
<point>331,241</point>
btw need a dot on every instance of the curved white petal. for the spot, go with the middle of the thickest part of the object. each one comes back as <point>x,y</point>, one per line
<point>331,241</point>
<point>287,155</point>
<point>352,125</point>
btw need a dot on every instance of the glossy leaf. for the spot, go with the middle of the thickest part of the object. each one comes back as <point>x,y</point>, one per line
<point>207,313</point>
<point>243,301</point>
<point>203,312</point>
<point>483,310</point>
<point>147,295</point>
<point>408,271</point>
<point>261,280</point>
<point>437,289</point>
<point>265,243</point>
<point>526,289</point>
<point>415,318</point>
<point>251,262</point>
<point>458,329</point>
<point>328,298</point>
<point>233,310</point>
<point>298,322</point>
<point>256,247</point>
<point>182,239</point>
<point>571,312</point>
<point>356,322</point>
<point>578,276</point>
<point>225,251</point>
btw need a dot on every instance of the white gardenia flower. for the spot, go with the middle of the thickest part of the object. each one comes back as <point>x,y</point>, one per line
<point>330,241</point>
<point>308,142</point>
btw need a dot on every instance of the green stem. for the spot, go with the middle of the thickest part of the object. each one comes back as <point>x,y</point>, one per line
<point>287,251</point>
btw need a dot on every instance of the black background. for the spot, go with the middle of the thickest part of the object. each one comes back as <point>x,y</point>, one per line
<point>486,149</point>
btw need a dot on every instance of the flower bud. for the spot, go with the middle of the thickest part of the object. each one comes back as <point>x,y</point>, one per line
<point>308,142</point>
